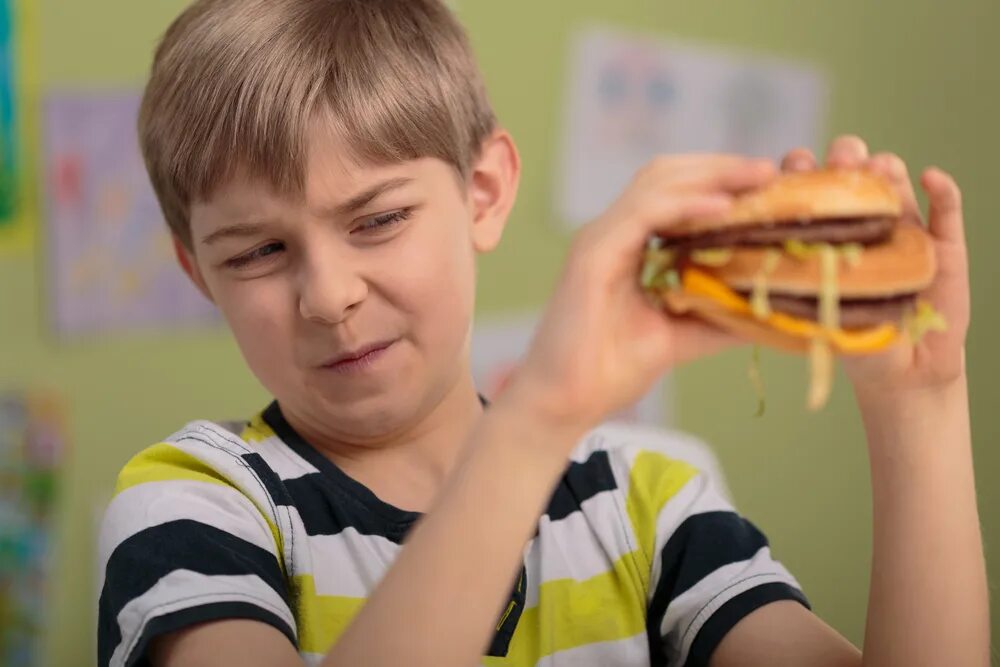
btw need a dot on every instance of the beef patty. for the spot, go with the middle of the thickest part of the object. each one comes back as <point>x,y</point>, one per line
<point>867,231</point>
<point>854,313</point>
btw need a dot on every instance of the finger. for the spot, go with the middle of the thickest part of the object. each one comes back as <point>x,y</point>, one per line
<point>847,152</point>
<point>893,168</point>
<point>618,236</point>
<point>799,159</point>
<point>729,178</point>
<point>945,218</point>
<point>696,161</point>
<point>668,209</point>
<point>707,193</point>
<point>700,173</point>
<point>748,176</point>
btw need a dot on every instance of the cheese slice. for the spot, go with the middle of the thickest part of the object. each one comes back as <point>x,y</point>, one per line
<point>852,341</point>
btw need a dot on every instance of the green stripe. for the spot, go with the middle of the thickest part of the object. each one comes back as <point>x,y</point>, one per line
<point>653,480</point>
<point>571,613</point>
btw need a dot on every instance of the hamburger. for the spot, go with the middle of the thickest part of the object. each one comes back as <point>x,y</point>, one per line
<point>815,262</point>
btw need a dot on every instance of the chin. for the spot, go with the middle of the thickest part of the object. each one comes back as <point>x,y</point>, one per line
<point>370,417</point>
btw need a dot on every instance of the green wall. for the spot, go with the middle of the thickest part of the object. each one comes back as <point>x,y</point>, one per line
<point>914,76</point>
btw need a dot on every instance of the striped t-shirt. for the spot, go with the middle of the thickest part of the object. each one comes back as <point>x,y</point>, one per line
<point>638,559</point>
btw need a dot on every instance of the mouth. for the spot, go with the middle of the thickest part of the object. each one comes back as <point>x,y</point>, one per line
<point>358,359</point>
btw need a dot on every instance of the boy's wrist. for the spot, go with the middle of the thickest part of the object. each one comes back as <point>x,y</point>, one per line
<point>917,420</point>
<point>903,403</point>
<point>540,412</point>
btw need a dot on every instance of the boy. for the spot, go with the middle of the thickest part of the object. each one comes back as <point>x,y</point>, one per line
<point>329,170</point>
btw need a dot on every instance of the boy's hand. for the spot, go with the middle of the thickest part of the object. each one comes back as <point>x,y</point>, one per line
<point>601,344</point>
<point>938,360</point>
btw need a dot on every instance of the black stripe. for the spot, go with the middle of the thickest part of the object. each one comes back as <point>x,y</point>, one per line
<point>269,478</point>
<point>139,562</point>
<point>505,630</point>
<point>355,503</point>
<point>329,501</point>
<point>178,620</point>
<point>332,501</point>
<point>274,418</point>
<point>580,482</point>
<point>734,610</point>
<point>327,509</point>
<point>701,544</point>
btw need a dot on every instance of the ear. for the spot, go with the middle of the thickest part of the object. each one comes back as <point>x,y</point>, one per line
<point>492,189</point>
<point>186,259</point>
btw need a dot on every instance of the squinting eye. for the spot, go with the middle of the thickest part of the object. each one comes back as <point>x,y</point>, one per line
<point>254,255</point>
<point>385,220</point>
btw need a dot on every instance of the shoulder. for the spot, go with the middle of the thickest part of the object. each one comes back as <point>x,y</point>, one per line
<point>202,451</point>
<point>191,535</point>
<point>203,473</point>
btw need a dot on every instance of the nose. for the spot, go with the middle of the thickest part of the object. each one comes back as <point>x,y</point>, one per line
<point>330,286</point>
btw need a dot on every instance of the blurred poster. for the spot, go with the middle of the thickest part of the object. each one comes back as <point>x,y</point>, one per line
<point>631,98</point>
<point>17,51</point>
<point>110,260</point>
<point>499,344</point>
<point>33,446</point>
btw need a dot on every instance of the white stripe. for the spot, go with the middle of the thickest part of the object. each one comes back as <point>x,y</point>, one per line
<point>282,459</point>
<point>690,610</point>
<point>155,503</point>
<point>219,435</point>
<point>698,496</point>
<point>580,546</point>
<point>630,651</point>
<point>348,564</point>
<point>183,589</point>
<point>312,659</point>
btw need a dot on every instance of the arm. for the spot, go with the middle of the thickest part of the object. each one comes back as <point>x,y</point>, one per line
<point>928,600</point>
<point>928,603</point>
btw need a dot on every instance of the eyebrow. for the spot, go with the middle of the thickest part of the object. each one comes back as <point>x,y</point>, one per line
<point>362,199</point>
<point>239,230</point>
<point>355,203</point>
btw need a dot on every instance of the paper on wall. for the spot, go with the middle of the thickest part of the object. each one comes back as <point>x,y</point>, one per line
<point>631,98</point>
<point>110,260</point>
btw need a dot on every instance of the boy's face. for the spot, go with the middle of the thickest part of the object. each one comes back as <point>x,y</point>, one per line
<point>376,257</point>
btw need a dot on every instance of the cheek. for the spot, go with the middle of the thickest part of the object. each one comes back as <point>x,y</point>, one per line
<point>436,286</point>
<point>258,315</point>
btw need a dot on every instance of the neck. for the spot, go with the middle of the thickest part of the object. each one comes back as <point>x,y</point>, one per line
<point>408,467</point>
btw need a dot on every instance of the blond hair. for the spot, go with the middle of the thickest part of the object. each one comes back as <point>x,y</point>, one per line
<point>237,84</point>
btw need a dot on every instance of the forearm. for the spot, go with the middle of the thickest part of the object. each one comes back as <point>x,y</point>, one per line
<point>928,603</point>
<point>439,602</point>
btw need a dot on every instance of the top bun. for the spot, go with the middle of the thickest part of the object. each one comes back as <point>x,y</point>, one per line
<point>803,196</point>
<point>905,264</point>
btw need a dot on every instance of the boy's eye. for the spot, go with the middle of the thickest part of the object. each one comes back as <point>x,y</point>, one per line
<point>384,221</point>
<point>255,255</point>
